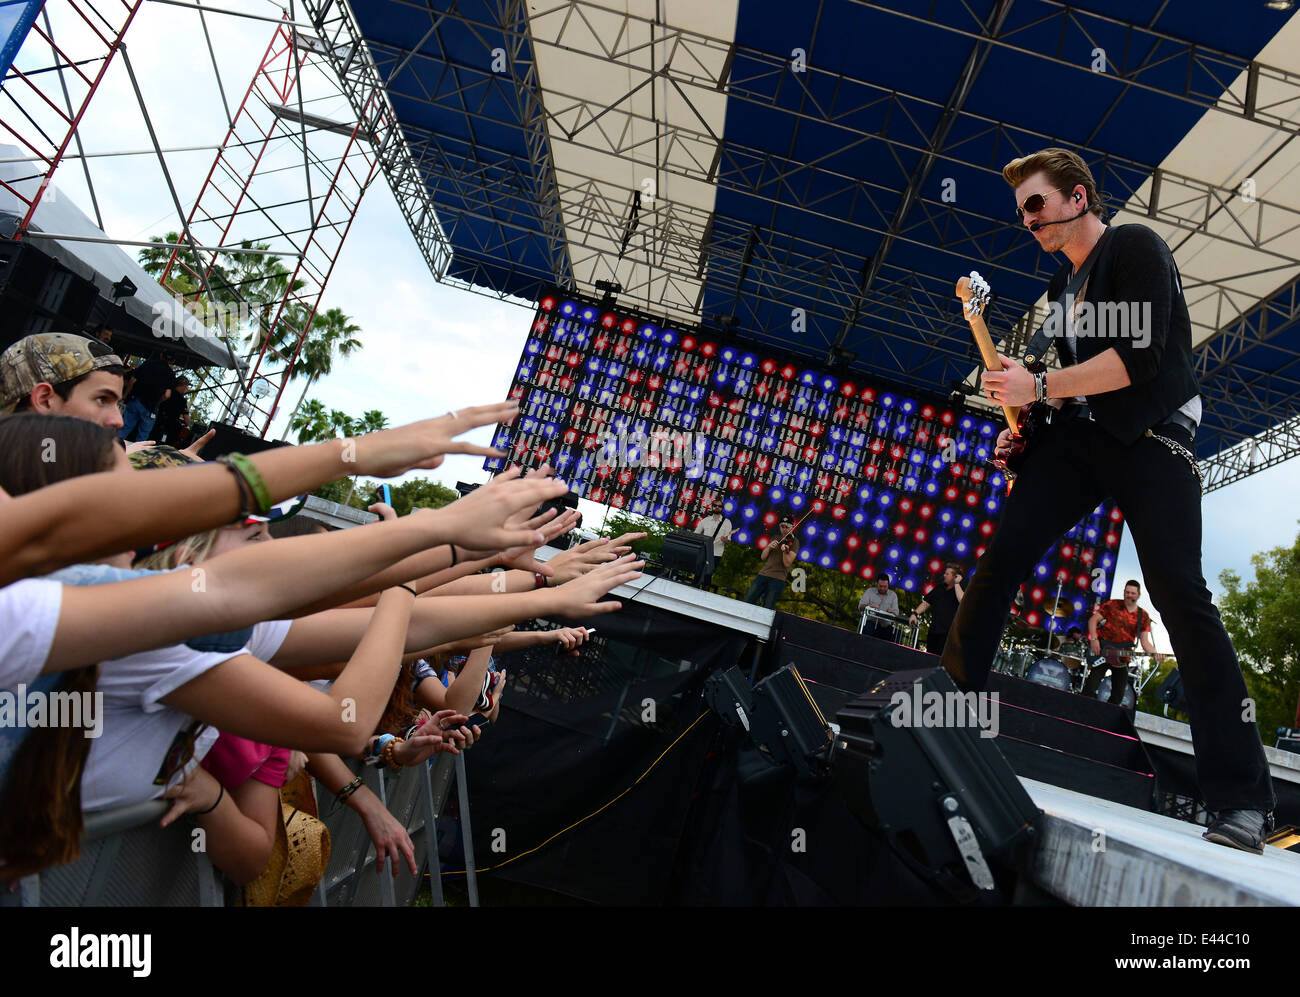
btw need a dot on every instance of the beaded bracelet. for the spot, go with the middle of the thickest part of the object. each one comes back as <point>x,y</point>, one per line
<point>389,748</point>
<point>348,790</point>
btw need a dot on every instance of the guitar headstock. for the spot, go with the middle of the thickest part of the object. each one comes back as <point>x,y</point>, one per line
<point>974,293</point>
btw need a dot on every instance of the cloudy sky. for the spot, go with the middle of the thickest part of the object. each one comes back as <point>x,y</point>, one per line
<point>428,348</point>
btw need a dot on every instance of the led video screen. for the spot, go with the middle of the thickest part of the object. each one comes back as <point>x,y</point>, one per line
<point>658,420</point>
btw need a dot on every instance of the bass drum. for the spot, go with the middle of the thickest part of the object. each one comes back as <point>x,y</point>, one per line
<point>1051,673</point>
<point>1129,702</point>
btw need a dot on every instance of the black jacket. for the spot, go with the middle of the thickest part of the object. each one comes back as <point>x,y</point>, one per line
<point>1136,267</point>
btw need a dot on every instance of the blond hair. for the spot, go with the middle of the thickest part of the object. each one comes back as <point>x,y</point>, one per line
<point>192,550</point>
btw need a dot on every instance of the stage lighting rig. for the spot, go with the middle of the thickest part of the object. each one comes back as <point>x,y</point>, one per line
<point>609,290</point>
<point>124,288</point>
<point>839,360</point>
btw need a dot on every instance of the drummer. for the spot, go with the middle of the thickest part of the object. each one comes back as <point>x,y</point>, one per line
<point>882,599</point>
<point>1074,646</point>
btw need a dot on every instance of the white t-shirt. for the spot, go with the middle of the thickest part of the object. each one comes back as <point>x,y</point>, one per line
<point>707,526</point>
<point>29,617</point>
<point>139,731</point>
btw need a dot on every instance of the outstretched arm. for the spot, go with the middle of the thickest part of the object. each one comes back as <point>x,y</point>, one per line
<point>264,581</point>
<point>49,529</point>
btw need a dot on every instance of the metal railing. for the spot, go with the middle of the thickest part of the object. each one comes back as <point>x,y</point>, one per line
<point>128,860</point>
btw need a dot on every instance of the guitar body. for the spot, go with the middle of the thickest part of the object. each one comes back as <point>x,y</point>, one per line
<point>1034,418</point>
<point>1026,422</point>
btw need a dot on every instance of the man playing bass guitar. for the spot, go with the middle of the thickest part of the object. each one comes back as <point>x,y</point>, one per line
<point>1130,409</point>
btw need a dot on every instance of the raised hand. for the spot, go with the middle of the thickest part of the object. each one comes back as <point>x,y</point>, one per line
<point>467,644</point>
<point>193,449</point>
<point>495,516</point>
<point>580,597</point>
<point>390,452</point>
<point>570,638</point>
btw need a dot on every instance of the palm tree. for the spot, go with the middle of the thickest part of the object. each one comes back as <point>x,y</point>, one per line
<point>312,423</point>
<point>331,333</point>
<point>370,422</point>
<point>342,424</point>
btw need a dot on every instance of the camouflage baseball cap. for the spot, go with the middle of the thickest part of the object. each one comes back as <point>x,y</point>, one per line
<point>160,455</point>
<point>50,358</point>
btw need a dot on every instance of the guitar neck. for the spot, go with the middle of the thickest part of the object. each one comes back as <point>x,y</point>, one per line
<point>990,355</point>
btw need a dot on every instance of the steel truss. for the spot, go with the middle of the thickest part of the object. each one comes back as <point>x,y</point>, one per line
<point>858,300</point>
<point>52,97</point>
<point>271,118</point>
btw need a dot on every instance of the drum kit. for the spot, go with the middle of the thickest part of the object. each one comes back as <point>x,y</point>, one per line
<point>1025,652</point>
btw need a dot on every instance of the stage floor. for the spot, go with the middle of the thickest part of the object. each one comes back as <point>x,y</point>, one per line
<point>1095,853</point>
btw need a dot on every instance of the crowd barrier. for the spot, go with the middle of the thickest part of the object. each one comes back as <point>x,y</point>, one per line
<point>128,860</point>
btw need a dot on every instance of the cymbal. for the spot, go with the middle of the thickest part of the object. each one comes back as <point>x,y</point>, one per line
<point>1061,608</point>
<point>1018,625</point>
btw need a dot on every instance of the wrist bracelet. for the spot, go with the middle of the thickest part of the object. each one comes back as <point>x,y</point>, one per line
<point>348,790</point>
<point>408,588</point>
<point>539,580</point>
<point>1040,386</point>
<point>389,748</point>
<point>453,555</point>
<point>220,796</point>
<point>243,468</point>
<point>377,749</point>
<point>241,485</point>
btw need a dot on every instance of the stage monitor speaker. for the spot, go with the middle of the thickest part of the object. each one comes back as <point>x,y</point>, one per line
<point>915,763</point>
<point>688,552</point>
<point>232,440</point>
<point>1170,692</point>
<point>39,294</point>
<point>779,715</point>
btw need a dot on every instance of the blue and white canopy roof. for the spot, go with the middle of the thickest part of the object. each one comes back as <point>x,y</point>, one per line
<point>751,158</point>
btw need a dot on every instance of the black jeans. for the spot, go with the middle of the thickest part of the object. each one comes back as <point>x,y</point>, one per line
<point>1118,673</point>
<point>1067,473</point>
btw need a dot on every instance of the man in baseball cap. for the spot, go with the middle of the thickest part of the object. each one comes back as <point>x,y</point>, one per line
<point>60,373</point>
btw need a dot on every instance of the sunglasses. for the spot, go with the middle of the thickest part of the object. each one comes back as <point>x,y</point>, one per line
<point>1034,203</point>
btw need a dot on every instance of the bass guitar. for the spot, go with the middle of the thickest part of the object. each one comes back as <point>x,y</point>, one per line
<point>1025,422</point>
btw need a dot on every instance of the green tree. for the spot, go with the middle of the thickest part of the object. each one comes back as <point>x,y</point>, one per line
<point>1262,617</point>
<point>420,493</point>
<point>415,493</point>
<point>332,334</point>
<point>618,523</point>
<point>370,422</point>
<point>312,423</point>
<point>342,424</point>
<point>256,280</point>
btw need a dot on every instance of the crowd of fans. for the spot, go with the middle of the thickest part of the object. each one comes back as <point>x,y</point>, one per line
<point>228,665</point>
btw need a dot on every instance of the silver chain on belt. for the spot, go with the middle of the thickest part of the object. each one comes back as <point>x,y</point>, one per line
<point>1183,452</point>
